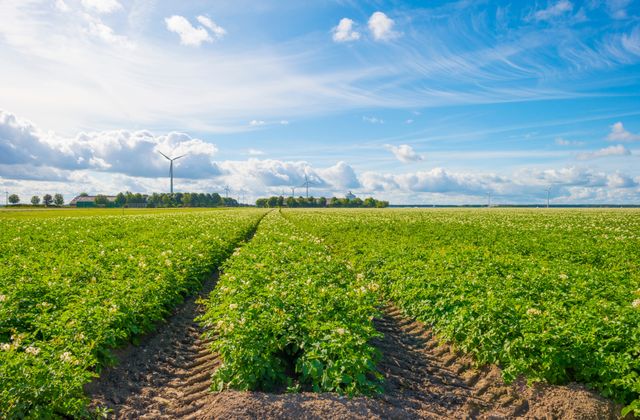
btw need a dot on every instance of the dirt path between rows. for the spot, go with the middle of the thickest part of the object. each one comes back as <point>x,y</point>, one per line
<point>168,377</point>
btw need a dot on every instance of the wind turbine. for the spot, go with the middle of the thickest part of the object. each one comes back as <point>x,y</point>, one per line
<point>171,166</point>
<point>306,184</point>
<point>548,195</point>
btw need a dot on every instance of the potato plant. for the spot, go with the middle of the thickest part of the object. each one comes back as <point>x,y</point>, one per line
<point>72,288</point>
<point>553,295</point>
<point>286,313</point>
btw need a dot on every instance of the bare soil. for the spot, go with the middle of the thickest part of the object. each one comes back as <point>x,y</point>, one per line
<point>168,376</point>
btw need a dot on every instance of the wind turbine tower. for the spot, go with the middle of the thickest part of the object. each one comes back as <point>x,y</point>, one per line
<point>171,160</point>
<point>306,184</point>
<point>548,195</point>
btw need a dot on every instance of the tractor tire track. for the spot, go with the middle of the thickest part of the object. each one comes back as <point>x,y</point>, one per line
<point>168,377</point>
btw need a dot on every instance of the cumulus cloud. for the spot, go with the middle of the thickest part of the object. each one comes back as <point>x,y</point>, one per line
<point>276,175</point>
<point>618,150</point>
<point>381,27</point>
<point>341,175</point>
<point>102,6</point>
<point>436,180</point>
<point>373,120</point>
<point>618,133</point>
<point>554,10</point>
<point>255,152</point>
<point>216,30</point>
<point>189,34</point>
<point>345,32</point>
<point>404,153</point>
<point>255,123</point>
<point>117,151</point>
<point>618,180</point>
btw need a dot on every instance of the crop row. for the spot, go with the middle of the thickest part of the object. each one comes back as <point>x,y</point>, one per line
<point>554,296</point>
<point>288,314</point>
<point>73,288</point>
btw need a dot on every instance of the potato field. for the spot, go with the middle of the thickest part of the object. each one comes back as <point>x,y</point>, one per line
<point>355,313</point>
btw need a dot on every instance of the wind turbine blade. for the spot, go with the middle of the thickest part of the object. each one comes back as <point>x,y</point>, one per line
<point>181,156</point>
<point>167,157</point>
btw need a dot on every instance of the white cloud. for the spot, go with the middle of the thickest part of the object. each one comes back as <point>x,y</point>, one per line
<point>255,152</point>
<point>96,28</point>
<point>345,32</point>
<point>618,150</point>
<point>564,142</point>
<point>102,6</point>
<point>62,6</point>
<point>381,27</point>
<point>618,8</point>
<point>631,41</point>
<point>618,180</point>
<point>436,180</point>
<point>373,120</point>
<point>618,133</point>
<point>117,151</point>
<point>554,10</point>
<point>409,121</point>
<point>217,31</point>
<point>341,176</point>
<point>189,35</point>
<point>404,153</point>
<point>284,122</point>
<point>256,123</point>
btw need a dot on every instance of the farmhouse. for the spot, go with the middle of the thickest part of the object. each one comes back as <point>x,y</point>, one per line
<point>90,201</point>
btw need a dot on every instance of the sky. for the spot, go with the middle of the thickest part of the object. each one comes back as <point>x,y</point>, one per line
<point>415,102</point>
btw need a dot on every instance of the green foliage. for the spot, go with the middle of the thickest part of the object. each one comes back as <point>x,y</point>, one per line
<point>58,200</point>
<point>292,202</point>
<point>286,313</point>
<point>64,302</point>
<point>553,295</point>
<point>47,199</point>
<point>14,199</point>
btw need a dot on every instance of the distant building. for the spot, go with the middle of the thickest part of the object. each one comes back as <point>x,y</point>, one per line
<point>350,196</point>
<point>90,201</point>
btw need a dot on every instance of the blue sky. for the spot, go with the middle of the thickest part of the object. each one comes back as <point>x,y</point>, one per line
<point>414,102</point>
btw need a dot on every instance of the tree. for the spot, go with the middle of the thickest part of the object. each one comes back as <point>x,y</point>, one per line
<point>14,199</point>
<point>58,199</point>
<point>272,202</point>
<point>186,200</point>
<point>35,200</point>
<point>101,200</point>
<point>84,194</point>
<point>47,199</point>
<point>121,200</point>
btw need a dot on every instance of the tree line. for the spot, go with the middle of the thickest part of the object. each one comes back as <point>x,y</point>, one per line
<point>168,200</point>
<point>47,200</point>
<point>280,201</point>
